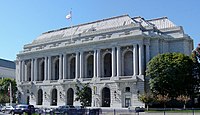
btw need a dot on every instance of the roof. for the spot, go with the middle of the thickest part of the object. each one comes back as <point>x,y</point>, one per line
<point>161,23</point>
<point>113,22</point>
<point>7,64</point>
<point>87,27</point>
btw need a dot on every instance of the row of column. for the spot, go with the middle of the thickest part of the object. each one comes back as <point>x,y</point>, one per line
<point>138,64</point>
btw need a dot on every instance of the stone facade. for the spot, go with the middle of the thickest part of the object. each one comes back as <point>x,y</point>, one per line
<point>110,54</point>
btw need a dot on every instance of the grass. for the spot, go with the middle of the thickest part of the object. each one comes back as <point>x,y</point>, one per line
<point>173,111</point>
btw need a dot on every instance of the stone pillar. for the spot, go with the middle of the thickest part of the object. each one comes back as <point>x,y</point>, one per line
<point>23,70</point>
<point>118,61</point>
<point>64,66</point>
<point>32,69</point>
<point>77,65</point>
<point>46,68</point>
<point>135,60</point>
<point>60,66</point>
<point>49,67</point>
<point>141,59</point>
<point>98,63</point>
<point>95,67</point>
<point>147,53</point>
<point>35,69</point>
<point>20,70</point>
<point>81,64</point>
<point>113,61</point>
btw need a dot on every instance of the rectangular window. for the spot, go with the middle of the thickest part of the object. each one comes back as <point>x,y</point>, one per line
<point>127,102</point>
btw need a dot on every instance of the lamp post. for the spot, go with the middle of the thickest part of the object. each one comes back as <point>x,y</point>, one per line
<point>10,87</point>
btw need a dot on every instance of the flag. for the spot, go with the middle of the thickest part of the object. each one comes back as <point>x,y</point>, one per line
<point>69,16</point>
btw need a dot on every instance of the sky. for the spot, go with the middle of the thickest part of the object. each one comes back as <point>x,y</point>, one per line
<point>22,21</point>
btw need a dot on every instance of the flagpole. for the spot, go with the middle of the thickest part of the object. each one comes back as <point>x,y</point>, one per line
<point>71,25</point>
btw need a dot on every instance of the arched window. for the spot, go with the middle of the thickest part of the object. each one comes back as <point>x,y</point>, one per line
<point>54,97</point>
<point>40,97</point>
<point>89,95</point>
<point>90,66</point>
<point>70,96</point>
<point>105,97</point>
<point>107,65</point>
<point>128,63</point>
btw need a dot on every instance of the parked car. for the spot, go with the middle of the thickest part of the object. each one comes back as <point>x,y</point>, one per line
<point>63,109</point>
<point>7,109</point>
<point>23,108</point>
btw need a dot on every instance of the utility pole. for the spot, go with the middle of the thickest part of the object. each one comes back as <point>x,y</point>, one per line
<point>10,94</point>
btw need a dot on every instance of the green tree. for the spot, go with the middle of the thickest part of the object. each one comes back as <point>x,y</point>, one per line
<point>171,74</point>
<point>84,94</point>
<point>184,99</point>
<point>147,99</point>
<point>4,90</point>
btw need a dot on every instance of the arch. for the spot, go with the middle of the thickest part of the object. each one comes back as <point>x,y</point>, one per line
<point>105,97</point>
<point>56,68</point>
<point>107,65</point>
<point>72,68</point>
<point>41,70</point>
<point>128,63</point>
<point>89,94</point>
<point>90,66</point>
<point>54,97</point>
<point>28,69</point>
<point>39,97</point>
<point>70,96</point>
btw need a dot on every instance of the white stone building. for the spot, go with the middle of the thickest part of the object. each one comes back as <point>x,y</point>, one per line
<point>109,54</point>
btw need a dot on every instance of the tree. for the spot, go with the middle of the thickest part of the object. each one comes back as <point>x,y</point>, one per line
<point>4,90</point>
<point>196,66</point>
<point>83,94</point>
<point>147,99</point>
<point>184,99</point>
<point>171,74</point>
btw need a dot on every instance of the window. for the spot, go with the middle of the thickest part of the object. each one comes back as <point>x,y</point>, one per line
<point>127,102</point>
<point>127,89</point>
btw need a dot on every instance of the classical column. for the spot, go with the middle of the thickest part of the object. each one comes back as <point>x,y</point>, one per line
<point>46,68</point>
<point>118,61</point>
<point>23,70</point>
<point>141,59</point>
<point>20,70</point>
<point>113,61</point>
<point>98,63</point>
<point>60,66</point>
<point>77,65</point>
<point>32,69</point>
<point>135,59</point>
<point>35,69</point>
<point>49,67</point>
<point>147,53</point>
<point>81,64</point>
<point>64,66</point>
<point>95,67</point>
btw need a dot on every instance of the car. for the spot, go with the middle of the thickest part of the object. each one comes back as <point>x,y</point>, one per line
<point>23,108</point>
<point>63,109</point>
<point>7,109</point>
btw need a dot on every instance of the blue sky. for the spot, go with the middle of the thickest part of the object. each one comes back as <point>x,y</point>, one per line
<point>22,21</point>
